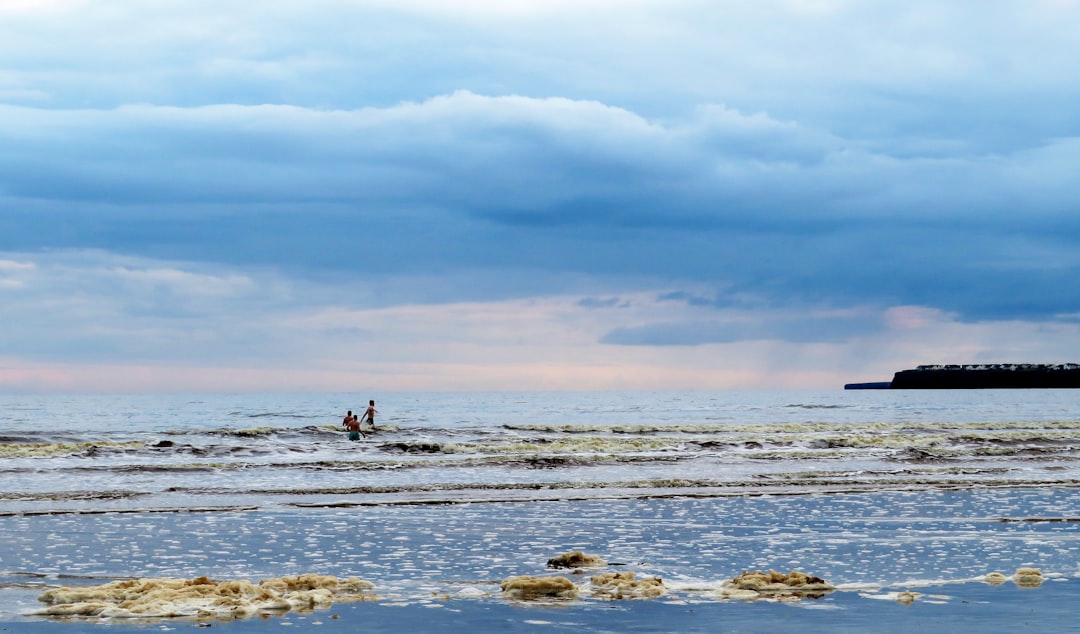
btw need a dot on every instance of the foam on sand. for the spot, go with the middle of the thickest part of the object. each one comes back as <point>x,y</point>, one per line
<point>623,585</point>
<point>1023,577</point>
<point>575,559</point>
<point>795,584</point>
<point>201,597</point>
<point>526,588</point>
<point>1028,577</point>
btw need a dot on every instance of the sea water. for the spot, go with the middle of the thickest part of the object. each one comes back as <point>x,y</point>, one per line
<point>875,491</point>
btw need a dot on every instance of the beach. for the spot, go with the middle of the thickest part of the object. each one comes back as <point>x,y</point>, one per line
<point>981,535</point>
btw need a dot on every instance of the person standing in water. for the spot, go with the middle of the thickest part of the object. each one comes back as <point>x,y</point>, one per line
<point>352,424</point>
<point>369,414</point>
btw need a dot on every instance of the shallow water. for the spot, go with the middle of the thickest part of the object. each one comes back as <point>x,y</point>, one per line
<point>870,545</point>
<point>882,539</point>
<point>876,492</point>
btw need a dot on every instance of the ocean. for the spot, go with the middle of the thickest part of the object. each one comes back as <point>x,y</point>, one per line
<point>916,508</point>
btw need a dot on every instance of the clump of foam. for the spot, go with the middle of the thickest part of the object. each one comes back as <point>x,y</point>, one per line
<point>526,588</point>
<point>1028,577</point>
<point>995,578</point>
<point>906,597</point>
<point>575,559</point>
<point>623,585</point>
<point>201,597</point>
<point>795,584</point>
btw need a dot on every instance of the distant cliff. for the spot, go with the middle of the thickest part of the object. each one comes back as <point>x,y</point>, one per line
<point>981,376</point>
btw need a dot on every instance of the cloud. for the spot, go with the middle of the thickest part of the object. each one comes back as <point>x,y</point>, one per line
<point>596,302</point>
<point>197,183</point>
<point>469,181</point>
<point>88,305</point>
<point>730,326</point>
<point>87,320</point>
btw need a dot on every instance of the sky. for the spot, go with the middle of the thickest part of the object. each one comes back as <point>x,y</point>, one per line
<point>449,195</point>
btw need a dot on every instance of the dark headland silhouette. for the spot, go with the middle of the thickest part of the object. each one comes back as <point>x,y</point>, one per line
<point>980,376</point>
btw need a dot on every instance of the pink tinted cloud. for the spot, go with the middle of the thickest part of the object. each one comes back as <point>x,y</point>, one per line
<point>914,317</point>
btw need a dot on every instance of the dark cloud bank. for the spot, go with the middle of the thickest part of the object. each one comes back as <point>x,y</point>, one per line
<point>465,181</point>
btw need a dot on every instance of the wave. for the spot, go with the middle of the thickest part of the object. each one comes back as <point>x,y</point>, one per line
<point>47,449</point>
<point>72,495</point>
<point>233,508</point>
<point>890,442</point>
<point>795,428</point>
<point>925,477</point>
<point>276,415</point>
